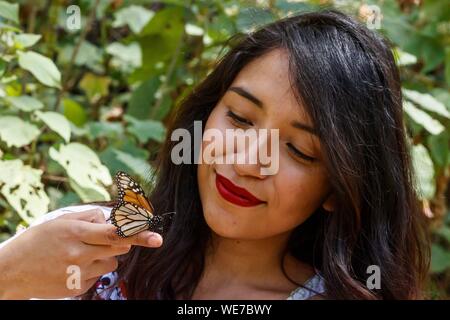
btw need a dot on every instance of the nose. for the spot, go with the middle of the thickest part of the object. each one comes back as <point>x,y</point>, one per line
<point>250,155</point>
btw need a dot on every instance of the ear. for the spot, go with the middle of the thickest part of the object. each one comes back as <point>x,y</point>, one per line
<point>330,203</point>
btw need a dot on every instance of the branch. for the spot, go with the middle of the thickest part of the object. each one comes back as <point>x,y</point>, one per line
<point>69,66</point>
<point>49,177</point>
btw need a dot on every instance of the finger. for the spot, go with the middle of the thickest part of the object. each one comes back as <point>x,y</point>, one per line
<point>100,267</point>
<point>146,239</point>
<point>92,215</point>
<point>98,234</point>
<point>97,252</point>
<point>106,234</point>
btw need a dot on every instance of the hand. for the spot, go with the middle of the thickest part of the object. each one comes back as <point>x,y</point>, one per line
<point>35,264</point>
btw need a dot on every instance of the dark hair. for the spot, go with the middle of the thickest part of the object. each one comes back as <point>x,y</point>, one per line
<point>345,76</point>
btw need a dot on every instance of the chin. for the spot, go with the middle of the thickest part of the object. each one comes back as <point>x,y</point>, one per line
<point>228,225</point>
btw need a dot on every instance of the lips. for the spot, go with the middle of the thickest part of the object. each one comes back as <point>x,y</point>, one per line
<point>234,194</point>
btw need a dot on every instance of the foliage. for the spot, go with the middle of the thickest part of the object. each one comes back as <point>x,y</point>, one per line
<point>78,105</point>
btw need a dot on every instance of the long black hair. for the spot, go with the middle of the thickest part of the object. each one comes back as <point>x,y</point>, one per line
<point>345,76</point>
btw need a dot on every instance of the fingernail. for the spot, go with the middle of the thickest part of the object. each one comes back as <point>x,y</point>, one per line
<point>154,237</point>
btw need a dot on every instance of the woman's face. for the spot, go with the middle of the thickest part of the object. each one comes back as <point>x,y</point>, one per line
<point>282,200</point>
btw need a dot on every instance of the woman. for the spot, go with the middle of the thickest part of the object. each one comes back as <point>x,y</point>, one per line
<point>340,202</point>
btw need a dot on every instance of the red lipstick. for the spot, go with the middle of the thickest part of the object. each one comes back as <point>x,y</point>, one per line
<point>234,194</point>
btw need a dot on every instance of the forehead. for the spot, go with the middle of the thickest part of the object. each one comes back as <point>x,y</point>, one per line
<point>267,78</point>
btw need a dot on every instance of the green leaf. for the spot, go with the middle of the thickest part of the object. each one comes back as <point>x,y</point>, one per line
<point>25,103</point>
<point>127,157</point>
<point>9,11</point>
<point>447,65</point>
<point>125,57</point>
<point>440,259</point>
<point>95,86</point>
<point>57,122</point>
<point>41,67</point>
<point>137,165</point>
<point>432,52</point>
<point>16,132</point>
<point>143,98</point>
<point>87,194</point>
<point>88,55</point>
<point>444,232</point>
<point>113,130</point>
<point>442,95</point>
<point>88,175</point>
<point>146,129</point>
<point>422,118</point>
<point>193,30</point>
<point>136,17</point>
<point>404,58</point>
<point>2,67</point>
<point>250,18</point>
<point>68,199</point>
<point>22,188</point>
<point>159,40</point>
<point>73,111</point>
<point>424,171</point>
<point>428,102</point>
<point>438,145</point>
<point>26,40</point>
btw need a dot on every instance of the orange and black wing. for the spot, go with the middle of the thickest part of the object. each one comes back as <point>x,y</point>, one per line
<point>131,191</point>
<point>133,212</point>
<point>130,219</point>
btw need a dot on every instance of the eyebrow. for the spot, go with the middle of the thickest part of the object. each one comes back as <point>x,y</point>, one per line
<point>244,93</point>
<point>303,126</point>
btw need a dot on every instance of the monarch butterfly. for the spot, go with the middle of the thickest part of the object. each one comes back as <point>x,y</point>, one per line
<point>133,212</point>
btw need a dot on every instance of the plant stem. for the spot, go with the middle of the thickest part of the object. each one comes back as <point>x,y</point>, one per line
<point>49,177</point>
<point>66,74</point>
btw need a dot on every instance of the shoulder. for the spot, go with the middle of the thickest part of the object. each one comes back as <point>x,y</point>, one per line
<point>313,289</point>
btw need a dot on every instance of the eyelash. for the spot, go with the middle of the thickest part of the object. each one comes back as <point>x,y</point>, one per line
<point>300,154</point>
<point>237,119</point>
<point>244,122</point>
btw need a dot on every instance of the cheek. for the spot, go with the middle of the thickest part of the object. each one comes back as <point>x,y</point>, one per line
<point>299,192</point>
<point>216,125</point>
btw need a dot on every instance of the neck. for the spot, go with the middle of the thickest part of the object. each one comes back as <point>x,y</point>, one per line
<point>249,263</point>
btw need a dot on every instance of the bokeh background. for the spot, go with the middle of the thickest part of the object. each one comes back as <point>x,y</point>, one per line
<point>86,88</point>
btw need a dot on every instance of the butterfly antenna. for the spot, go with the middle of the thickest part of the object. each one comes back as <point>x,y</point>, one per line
<point>166,213</point>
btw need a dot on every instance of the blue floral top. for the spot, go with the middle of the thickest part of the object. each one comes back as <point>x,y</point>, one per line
<point>109,287</point>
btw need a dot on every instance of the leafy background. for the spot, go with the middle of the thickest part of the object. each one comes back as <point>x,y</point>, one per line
<point>78,105</point>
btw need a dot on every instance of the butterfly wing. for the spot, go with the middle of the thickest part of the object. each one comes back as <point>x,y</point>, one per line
<point>131,191</point>
<point>134,212</point>
<point>130,219</point>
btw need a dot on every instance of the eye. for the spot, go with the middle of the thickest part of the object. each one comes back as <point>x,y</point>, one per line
<point>300,154</point>
<point>238,120</point>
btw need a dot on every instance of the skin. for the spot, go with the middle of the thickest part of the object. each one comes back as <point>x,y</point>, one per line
<point>34,265</point>
<point>243,261</point>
